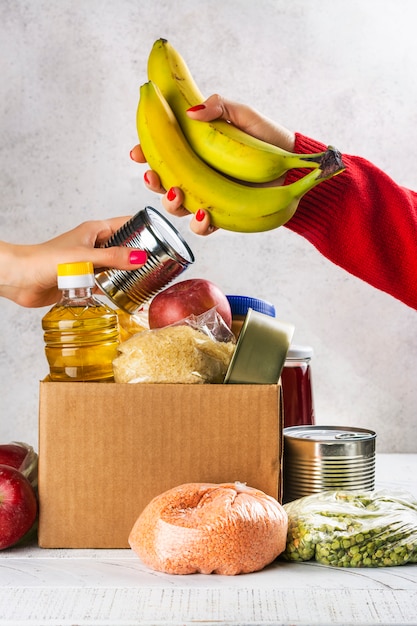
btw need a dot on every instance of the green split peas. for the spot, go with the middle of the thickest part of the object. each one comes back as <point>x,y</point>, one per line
<point>374,530</point>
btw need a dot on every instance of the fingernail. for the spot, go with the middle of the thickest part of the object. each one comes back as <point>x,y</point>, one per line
<point>146,178</point>
<point>197,107</point>
<point>171,195</point>
<point>138,257</point>
<point>200,215</point>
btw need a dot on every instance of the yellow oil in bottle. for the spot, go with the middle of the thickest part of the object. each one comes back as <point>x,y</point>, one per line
<point>81,336</point>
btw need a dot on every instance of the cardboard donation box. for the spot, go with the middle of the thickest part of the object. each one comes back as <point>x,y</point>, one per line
<point>106,449</point>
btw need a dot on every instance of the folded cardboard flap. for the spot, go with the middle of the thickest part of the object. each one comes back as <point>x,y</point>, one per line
<point>106,449</point>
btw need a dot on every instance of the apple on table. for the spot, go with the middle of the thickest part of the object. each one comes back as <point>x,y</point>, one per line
<point>18,499</point>
<point>13,454</point>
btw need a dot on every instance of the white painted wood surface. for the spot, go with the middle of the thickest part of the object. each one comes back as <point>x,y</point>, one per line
<point>112,587</point>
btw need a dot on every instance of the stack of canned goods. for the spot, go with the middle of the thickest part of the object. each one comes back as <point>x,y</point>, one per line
<point>322,458</point>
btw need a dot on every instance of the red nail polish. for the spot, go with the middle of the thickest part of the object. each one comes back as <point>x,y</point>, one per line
<point>197,107</point>
<point>146,178</point>
<point>138,257</point>
<point>200,215</point>
<point>171,195</point>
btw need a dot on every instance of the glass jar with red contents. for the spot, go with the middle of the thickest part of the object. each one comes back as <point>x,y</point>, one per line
<point>297,389</point>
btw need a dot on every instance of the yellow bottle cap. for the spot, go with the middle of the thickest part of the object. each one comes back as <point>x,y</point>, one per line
<point>75,269</point>
<point>72,275</point>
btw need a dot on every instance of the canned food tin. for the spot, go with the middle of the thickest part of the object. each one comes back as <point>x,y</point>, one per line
<point>168,256</point>
<point>322,458</point>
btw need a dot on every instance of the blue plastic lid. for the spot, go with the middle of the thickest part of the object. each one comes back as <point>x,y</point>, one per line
<point>240,305</point>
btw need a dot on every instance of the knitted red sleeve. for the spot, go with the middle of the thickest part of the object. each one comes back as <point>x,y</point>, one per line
<point>362,221</point>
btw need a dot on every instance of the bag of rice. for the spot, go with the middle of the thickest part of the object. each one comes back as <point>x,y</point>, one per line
<point>187,352</point>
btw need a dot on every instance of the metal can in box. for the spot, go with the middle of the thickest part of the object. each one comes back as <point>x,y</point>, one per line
<point>322,458</point>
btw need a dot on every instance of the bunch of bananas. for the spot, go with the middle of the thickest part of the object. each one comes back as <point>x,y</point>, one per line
<point>218,167</point>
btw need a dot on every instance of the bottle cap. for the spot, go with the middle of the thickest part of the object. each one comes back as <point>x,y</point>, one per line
<point>240,305</point>
<point>72,275</point>
<point>297,352</point>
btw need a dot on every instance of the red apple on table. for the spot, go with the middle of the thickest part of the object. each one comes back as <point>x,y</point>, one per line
<point>18,506</point>
<point>188,297</point>
<point>13,454</point>
<point>22,457</point>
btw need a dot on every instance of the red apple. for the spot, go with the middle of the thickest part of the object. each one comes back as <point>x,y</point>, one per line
<point>13,454</point>
<point>18,506</point>
<point>21,456</point>
<point>188,297</point>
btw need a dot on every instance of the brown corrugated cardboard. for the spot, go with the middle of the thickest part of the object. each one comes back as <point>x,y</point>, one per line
<point>106,449</point>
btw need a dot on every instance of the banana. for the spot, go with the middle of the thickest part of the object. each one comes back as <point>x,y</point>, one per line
<point>222,145</point>
<point>231,205</point>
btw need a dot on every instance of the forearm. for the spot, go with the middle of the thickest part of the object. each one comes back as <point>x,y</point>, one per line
<point>364,222</point>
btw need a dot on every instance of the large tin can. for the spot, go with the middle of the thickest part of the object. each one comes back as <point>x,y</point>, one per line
<point>322,458</point>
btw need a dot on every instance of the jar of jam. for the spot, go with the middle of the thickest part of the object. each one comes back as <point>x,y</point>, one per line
<point>239,306</point>
<point>297,387</point>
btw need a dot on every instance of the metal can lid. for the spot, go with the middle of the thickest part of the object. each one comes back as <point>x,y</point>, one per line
<point>328,433</point>
<point>241,304</point>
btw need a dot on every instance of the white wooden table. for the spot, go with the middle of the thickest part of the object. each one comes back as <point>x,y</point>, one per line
<point>112,587</point>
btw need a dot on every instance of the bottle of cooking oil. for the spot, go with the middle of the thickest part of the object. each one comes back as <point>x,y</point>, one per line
<point>81,333</point>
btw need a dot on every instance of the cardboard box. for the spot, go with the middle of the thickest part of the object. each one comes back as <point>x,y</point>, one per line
<point>106,449</point>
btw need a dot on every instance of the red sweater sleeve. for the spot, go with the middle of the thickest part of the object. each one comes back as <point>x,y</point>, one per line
<point>362,221</point>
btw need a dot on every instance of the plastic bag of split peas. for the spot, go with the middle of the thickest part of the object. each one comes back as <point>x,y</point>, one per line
<point>210,528</point>
<point>353,528</point>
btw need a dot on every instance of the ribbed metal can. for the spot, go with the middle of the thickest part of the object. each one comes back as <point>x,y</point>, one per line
<point>321,458</point>
<point>168,256</point>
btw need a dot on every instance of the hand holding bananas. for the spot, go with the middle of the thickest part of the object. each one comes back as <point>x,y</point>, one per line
<point>364,206</point>
<point>240,115</point>
<point>218,166</point>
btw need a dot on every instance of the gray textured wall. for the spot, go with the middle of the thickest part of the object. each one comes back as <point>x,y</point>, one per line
<point>341,72</point>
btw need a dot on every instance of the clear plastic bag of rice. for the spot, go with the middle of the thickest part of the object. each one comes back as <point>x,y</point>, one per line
<point>196,350</point>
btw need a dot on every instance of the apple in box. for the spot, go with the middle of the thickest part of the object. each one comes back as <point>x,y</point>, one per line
<point>188,297</point>
<point>18,500</point>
